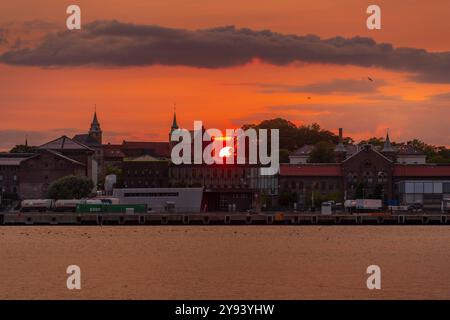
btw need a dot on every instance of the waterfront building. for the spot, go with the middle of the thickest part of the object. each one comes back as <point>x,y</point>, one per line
<point>172,200</point>
<point>145,171</point>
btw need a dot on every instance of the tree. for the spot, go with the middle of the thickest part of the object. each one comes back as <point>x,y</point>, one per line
<point>287,197</point>
<point>22,148</point>
<point>359,192</point>
<point>284,156</point>
<point>287,131</point>
<point>378,192</point>
<point>70,187</point>
<point>323,152</point>
<point>378,142</point>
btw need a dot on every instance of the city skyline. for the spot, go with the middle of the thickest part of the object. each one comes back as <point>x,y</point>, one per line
<point>41,96</point>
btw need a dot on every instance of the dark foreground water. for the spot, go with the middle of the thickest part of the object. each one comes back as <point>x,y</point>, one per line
<point>225,262</point>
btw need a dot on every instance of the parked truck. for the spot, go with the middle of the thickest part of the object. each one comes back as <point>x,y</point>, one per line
<point>363,205</point>
<point>369,204</point>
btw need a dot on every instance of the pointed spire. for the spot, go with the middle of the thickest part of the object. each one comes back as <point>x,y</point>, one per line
<point>174,122</point>
<point>26,140</point>
<point>95,120</point>
<point>95,125</point>
<point>387,147</point>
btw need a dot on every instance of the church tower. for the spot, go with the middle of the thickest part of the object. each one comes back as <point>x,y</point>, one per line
<point>174,125</point>
<point>388,150</point>
<point>95,131</point>
<point>172,129</point>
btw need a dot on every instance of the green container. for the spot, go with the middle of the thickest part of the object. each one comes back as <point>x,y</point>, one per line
<point>111,208</point>
<point>89,208</point>
<point>124,208</point>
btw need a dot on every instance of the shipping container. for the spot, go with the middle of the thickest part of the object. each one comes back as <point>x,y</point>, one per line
<point>112,208</point>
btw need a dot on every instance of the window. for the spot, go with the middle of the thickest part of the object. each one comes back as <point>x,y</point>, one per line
<point>409,187</point>
<point>437,188</point>
<point>418,187</point>
<point>428,187</point>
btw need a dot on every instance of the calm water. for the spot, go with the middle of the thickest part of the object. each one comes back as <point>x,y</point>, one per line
<point>225,262</point>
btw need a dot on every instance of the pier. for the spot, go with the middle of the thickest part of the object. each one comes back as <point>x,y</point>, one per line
<point>221,218</point>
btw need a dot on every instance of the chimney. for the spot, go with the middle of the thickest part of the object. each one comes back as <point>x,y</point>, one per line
<point>340,151</point>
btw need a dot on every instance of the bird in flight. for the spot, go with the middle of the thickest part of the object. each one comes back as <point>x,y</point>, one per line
<point>370,79</point>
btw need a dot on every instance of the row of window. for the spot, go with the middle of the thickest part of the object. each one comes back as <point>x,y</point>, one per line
<point>2,177</point>
<point>151,194</point>
<point>8,168</point>
<point>317,185</point>
<point>426,187</point>
<point>208,173</point>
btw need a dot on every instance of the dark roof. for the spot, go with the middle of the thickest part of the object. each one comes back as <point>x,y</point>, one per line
<point>307,148</point>
<point>158,149</point>
<point>13,159</point>
<point>368,148</point>
<point>87,140</point>
<point>408,149</point>
<point>57,154</point>
<point>64,143</point>
<point>143,158</point>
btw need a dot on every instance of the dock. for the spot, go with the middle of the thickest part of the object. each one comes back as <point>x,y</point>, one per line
<point>221,218</point>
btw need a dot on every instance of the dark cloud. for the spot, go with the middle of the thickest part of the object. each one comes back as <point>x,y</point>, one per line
<point>335,86</point>
<point>441,97</point>
<point>112,43</point>
<point>40,24</point>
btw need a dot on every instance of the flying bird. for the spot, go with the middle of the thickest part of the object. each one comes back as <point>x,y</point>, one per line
<point>370,79</point>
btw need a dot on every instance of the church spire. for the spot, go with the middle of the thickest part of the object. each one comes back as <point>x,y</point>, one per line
<point>387,147</point>
<point>174,121</point>
<point>95,131</point>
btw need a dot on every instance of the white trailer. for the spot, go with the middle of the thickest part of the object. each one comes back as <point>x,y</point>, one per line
<point>369,204</point>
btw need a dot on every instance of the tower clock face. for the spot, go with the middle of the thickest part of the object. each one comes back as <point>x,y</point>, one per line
<point>214,151</point>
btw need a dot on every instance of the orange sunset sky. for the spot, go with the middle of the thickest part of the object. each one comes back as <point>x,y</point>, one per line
<point>49,83</point>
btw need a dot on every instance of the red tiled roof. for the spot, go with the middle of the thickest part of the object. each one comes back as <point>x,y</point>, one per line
<point>311,170</point>
<point>422,170</point>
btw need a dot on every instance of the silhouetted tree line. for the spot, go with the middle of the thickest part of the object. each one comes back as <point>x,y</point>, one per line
<point>293,137</point>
